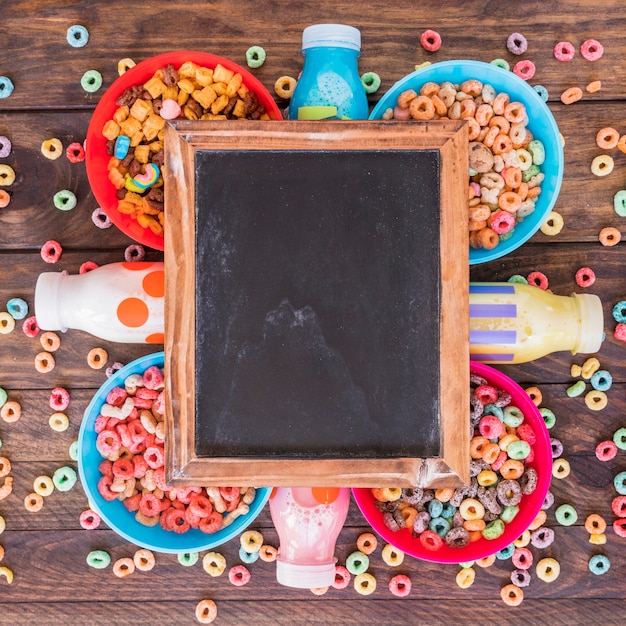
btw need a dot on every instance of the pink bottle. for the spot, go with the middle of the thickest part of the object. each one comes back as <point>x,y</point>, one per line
<point>308,521</point>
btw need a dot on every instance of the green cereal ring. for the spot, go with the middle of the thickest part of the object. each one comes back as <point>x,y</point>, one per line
<point>577,389</point>
<point>64,478</point>
<point>357,563</point>
<point>255,56</point>
<point>98,559</point>
<point>566,515</point>
<point>599,564</point>
<point>188,558</point>
<point>548,417</point>
<point>0,443</point>
<point>370,82</point>
<point>537,151</point>
<point>509,513</point>
<point>506,236</point>
<point>518,450</point>
<point>512,416</point>
<point>65,200</point>
<point>3,397</point>
<point>533,170</point>
<point>74,450</point>
<point>494,529</point>
<point>466,564</point>
<point>501,63</point>
<point>620,483</point>
<point>619,437</point>
<point>91,81</point>
<point>619,202</point>
<point>518,278</point>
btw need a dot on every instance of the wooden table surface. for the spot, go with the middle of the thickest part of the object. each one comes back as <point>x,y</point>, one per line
<point>46,550</point>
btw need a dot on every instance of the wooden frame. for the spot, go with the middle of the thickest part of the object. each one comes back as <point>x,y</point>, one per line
<point>183,465</point>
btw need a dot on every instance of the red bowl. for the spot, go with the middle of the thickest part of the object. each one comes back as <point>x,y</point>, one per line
<point>96,156</point>
<point>529,505</point>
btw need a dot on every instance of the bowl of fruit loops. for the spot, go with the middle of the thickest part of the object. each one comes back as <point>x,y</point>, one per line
<point>511,467</point>
<point>120,464</point>
<point>124,143</point>
<point>515,148</point>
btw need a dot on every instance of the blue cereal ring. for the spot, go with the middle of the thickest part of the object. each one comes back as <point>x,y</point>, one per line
<point>77,36</point>
<point>17,308</point>
<point>542,92</point>
<point>506,553</point>
<point>620,483</point>
<point>248,557</point>
<point>619,312</point>
<point>357,563</point>
<point>599,564</point>
<point>6,87</point>
<point>601,380</point>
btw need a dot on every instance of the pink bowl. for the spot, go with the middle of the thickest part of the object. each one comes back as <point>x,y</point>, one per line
<point>96,156</point>
<point>529,505</point>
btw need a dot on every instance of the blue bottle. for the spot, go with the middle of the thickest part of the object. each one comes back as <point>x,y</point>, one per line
<point>330,86</point>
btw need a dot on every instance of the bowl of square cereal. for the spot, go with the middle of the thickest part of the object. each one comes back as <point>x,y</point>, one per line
<point>120,464</point>
<point>124,143</point>
<point>515,148</point>
<point>511,468</point>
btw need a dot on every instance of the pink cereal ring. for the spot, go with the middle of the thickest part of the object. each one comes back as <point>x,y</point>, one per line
<point>400,586</point>
<point>526,432</point>
<point>619,506</point>
<point>89,520</point>
<point>51,251</point>
<point>606,450</point>
<point>342,577</point>
<point>238,575</point>
<point>230,494</point>
<point>116,397</point>
<point>123,468</point>
<point>585,277</point>
<point>538,279</point>
<point>620,332</point>
<point>522,558</point>
<point>149,505</point>
<point>430,40</point>
<point>154,457</point>
<point>486,394</point>
<point>212,523</point>
<point>619,527</point>
<point>500,460</point>
<point>104,489</point>
<point>159,404</point>
<point>564,51</point>
<point>591,50</point>
<point>200,506</point>
<point>30,327</point>
<point>59,399</point>
<point>107,442</point>
<point>87,266</point>
<point>490,426</point>
<point>139,466</point>
<point>106,468</point>
<point>136,431</point>
<point>501,222</point>
<point>153,377</point>
<point>75,152</point>
<point>524,69</point>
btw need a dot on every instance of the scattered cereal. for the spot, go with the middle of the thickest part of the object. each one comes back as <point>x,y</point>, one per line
<point>7,175</point>
<point>52,148</point>
<point>366,543</point>
<point>123,567</point>
<point>591,50</point>
<point>11,411</point>
<point>516,43</point>
<point>77,36</point>
<point>44,362</point>
<point>571,95</point>
<point>5,146</point>
<point>6,87</point>
<point>610,236</point>
<point>599,564</point>
<point>255,56</point>
<point>400,585</point>
<point>33,502</point>
<point>239,575</point>
<point>7,323</point>
<point>214,563</point>
<point>75,152</point>
<point>594,86</point>
<point>89,520</point>
<point>144,560</point>
<point>17,308</point>
<point>206,611</point>
<point>564,51</point>
<point>98,559</point>
<point>548,569</point>
<point>370,82</point>
<point>59,422</point>
<point>524,69</point>
<point>619,202</point>
<point>511,595</point>
<point>607,138</point>
<point>602,165</point>
<point>365,584</point>
<point>284,86</point>
<point>97,358</point>
<point>566,515</point>
<point>430,40</point>
<point>123,65</point>
<point>91,81</point>
<point>51,251</point>
<point>553,224</point>
<point>64,478</point>
<point>101,219</point>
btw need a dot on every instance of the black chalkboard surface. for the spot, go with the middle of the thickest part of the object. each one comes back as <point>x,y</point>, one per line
<point>317,300</point>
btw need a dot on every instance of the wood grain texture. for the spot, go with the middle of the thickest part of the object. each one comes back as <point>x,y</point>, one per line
<point>47,550</point>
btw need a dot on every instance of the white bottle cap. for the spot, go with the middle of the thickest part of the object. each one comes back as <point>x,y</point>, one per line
<point>305,576</point>
<point>338,35</point>
<point>592,323</point>
<point>47,310</point>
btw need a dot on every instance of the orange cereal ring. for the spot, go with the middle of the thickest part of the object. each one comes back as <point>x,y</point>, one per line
<point>422,108</point>
<point>479,213</point>
<point>33,502</point>
<point>468,108</point>
<point>50,341</point>
<point>123,567</point>
<point>484,113</point>
<point>367,542</point>
<point>444,494</point>
<point>491,135</point>
<point>486,561</point>
<point>488,238</point>
<point>439,104</point>
<point>44,362</point>
<point>607,138</point>
<point>409,514</point>
<point>5,198</point>
<point>595,524</point>
<point>269,553</point>
<point>97,358</point>
<point>509,201</point>
<point>491,452</point>
<point>473,129</point>
<point>501,144</point>
<point>534,393</point>
<point>511,595</point>
<point>5,466</point>
<point>472,86</point>
<point>512,469</point>
<point>571,95</point>
<point>144,560</point>
<point>11,411</point>
<point>594,86</point>
<point>621,144</point>
<point>429,89</point>
<point>501,122</point>
<point>474,525</point>
<point>515,112</point>
<point>405,98</point>
<point>609,236</point>
<point>539,521</point>
<point>513,177</point>
<point>500,102</point>
<point>206,611</point>
<point>477,446</point>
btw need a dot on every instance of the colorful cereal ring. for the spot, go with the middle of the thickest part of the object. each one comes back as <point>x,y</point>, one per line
<point>77,36</point>
<point>564,51</point>
<point>585,277</point>
<point>516,44</point>
<point>51,251</point>
<point>524,69</point>
<point>5,147</point>
<point>64,200</point>
<point>400,586</point>
<point>91,81</point>
<point>599,564</point>
<point>591,50</point>
<point>6,87</point>
<point>255,57</point>
<point>430,40</point>
<point>357,563</point>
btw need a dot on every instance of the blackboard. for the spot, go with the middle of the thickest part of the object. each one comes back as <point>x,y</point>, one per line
<point>316,332</point>
<point>316,314</point>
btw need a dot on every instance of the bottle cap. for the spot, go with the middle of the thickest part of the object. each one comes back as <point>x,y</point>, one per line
<point>591,323</point>
<point>338,35</point>
<point>47,301</point>
<point>305,576</point>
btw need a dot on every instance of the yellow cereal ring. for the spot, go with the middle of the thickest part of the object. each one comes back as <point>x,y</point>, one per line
<point>251,541</point>
<point>7,323</point>
<point>3,524</point>
<point>560,468</point>
<point>284,87</point>
<point>6,573</point>
<point>590,367</point>
<point>43,485</point>
<point>52,148</point>
<point>602,165</point>
<point>364,584</point>
<point>548,569</point>
<point>596,400</point>
<point>7,175</point>
<point>471,509</point>
<point>523,540</point>
<point>123,567</point>
<point>486,561</point>
<point>33,502</point>
<point>144,560</point>
<point>366,543</point>
<point>59,422</point>
<point>392,556</point>
<point>214,564</point>
<point>465,578</point>
<point>576,370</point>
<point>123,65</point>
<point>553,225</point>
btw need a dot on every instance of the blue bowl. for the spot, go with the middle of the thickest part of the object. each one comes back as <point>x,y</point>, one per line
<point>541,124</point>
<point>114,513</point>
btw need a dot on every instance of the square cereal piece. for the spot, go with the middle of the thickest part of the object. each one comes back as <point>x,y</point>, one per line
<point>220,88</point>
<point>136,138</point>
<point>221,74</point>
<point>183,96</point>
<point>170,93</point>
<point>204,97</point>
<point>140,109</point>
<point>219,104</point>
<point>142,153</point>
<point>121,113</point>
<point>239,110</point>
<point>111,130</point>
<point>155,86</point>
<point>186,85</point>
<point>233,85</point>
<point>204,76</point>
<point>187,70</point>
<point>153,124</point>
<point>130,126</point>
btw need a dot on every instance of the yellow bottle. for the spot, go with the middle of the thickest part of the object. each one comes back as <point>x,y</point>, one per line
<point>517,323</point>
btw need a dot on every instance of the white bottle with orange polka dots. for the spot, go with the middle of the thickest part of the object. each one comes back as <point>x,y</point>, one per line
<point>120,302</point>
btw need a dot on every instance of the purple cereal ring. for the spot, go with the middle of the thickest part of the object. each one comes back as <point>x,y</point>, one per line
<point>5,146</point>
<point>412,496</point>
<point>420,524</point>
<point>509,492</point>
<point>516,44</point>
<point>457,537</point>
<point>101,219</point>
<point>134,252</point>
<point>591,50</point>
<point>557,447</point>
<point>564,51</point>
<point>548,501</point>
<point>528,481</point>
<point>520,577</point>
<point>542,537</point>
<point>390,522</point>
